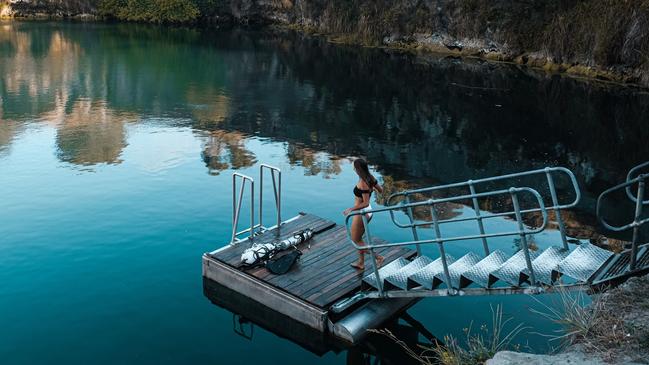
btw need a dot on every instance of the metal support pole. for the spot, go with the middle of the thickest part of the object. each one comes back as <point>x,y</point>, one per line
<point>476,208</point>
<point>236,205</point>
<point>415,234</point>
<point>252,209</point>
<point>555,204</point>
<point>636,226</point>
<point>261,197</point>
<point>438,235</point>
<point>521,229</point>
<point>277,188</point>
<point>368,243</point>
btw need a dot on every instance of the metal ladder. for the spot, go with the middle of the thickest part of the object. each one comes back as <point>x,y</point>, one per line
<point>237,200</point>
<point>524,272</point>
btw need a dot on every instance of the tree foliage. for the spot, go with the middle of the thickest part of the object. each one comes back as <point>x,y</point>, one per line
<point>152,11</point>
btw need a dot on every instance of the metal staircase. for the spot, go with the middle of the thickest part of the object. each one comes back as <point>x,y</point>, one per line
<point>494,272</point>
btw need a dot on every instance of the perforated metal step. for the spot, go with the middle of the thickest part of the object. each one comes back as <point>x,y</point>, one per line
<point>456,270</point>
<point>510,271</point>
<point>619,265</point>
<point>479,273</point>
<point>582,263</point>
<point>545,263</point>
<point>400,278</point>
<point>426,275</point>
<point>386,271</point>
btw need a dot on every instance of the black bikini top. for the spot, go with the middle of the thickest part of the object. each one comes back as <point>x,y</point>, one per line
<point>359,192</point>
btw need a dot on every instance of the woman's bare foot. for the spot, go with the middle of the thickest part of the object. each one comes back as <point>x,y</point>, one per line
<point>379,261</point>
<point>358,266</point>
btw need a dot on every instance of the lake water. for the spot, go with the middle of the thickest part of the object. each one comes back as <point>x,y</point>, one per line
<point>117,144</point>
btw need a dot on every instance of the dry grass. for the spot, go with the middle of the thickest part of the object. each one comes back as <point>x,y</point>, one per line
<point>613,325</point>
<point>478,347</point>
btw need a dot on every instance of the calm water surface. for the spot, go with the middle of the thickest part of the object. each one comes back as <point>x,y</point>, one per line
<point>117,144</point>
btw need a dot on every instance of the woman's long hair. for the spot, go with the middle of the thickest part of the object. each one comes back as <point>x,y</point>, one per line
<point>363,171</point>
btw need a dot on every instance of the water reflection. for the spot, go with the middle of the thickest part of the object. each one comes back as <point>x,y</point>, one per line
<point>226,150</point>
<point>88,132</point>
<point>374,349</point>
<point>419,119</point>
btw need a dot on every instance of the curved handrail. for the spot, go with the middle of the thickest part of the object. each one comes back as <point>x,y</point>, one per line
<point>469,183</point>
<point>432,202</point>
<point>236,205</point>
<point>625,185</point>
<point>628,178</point>
<point>277,192</point>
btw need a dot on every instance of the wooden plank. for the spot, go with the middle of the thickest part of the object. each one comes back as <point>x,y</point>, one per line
<point>318,243</point>
<point>344,281</point>
<point>343,265</point>
<point>310,266</point>
<point>347,283</point>
<point>320,271</point>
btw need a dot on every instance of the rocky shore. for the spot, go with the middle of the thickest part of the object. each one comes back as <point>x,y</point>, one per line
<point>599,39</point>
<point>619,332</point>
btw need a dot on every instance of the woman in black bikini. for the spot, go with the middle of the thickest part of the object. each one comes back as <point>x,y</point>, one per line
<point>362,192</point>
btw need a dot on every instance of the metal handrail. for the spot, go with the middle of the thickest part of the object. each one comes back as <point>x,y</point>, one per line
<point>471,184</point>
<point>637,221</point>
<point>236,205</point>
<point>513,192</point>
<point>277,192</point>
<point>628,178</point>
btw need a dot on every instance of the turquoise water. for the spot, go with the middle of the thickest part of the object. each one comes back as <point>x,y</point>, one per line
<point>117,144</point>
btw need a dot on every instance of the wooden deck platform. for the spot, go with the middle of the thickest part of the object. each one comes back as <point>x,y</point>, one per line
<point>321,277</point>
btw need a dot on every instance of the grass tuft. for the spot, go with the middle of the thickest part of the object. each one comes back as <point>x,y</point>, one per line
<point>479,346</point>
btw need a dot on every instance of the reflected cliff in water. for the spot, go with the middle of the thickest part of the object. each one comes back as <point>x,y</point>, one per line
<point>421,119</point>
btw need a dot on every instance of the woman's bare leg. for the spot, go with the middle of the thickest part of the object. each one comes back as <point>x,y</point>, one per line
<point>358,230</point>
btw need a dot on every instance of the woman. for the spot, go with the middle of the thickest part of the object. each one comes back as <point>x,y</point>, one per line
<point>362,192</point>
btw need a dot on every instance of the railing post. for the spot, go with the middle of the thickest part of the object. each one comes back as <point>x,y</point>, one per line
<point>368,243</point>
<point>277,193</point>
<point>555,204</point>
<point>277,189</point>
<point>410,214</point>
<point>521,230</point>
<point>442,252</point>
<point>252,209</point>
<point>636,225</point>
<point>261,197</point>
<point>236,204</point>
<point>476,208</point>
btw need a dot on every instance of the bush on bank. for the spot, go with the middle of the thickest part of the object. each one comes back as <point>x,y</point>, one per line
<point>153,11</point>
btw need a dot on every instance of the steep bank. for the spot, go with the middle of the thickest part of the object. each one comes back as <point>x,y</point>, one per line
<point>605,39</point>
<point>617,333</point>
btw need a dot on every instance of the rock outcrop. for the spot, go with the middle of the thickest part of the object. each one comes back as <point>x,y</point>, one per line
<point>605,39</point>
<point>618,332</point>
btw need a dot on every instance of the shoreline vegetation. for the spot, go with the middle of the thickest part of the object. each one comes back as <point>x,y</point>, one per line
<point>612,328</point>
<point>605,40</point>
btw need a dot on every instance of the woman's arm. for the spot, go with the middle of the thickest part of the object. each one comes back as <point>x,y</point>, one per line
<point>364,203</point>
<point>378,188</point>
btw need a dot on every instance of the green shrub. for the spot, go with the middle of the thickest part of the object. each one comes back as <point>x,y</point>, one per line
<point>152,11</point>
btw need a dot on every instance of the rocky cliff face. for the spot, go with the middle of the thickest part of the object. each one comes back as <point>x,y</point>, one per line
<point>606,39</point>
